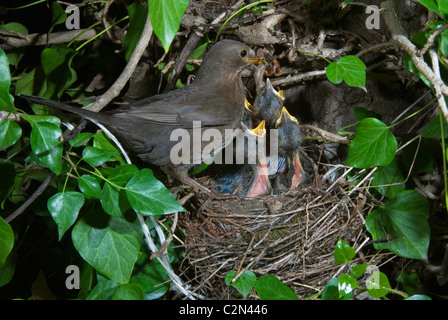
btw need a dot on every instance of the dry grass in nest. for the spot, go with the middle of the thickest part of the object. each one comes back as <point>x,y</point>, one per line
<point>290,235</point>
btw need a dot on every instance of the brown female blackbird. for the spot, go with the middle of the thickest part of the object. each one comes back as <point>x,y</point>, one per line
<point>151,127</point>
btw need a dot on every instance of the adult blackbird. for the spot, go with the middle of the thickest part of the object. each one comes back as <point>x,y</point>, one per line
<point>215,100</point>
<point>290,173</point>
<point>250,179</point>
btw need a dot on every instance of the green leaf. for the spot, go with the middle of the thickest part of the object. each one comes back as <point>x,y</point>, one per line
<point>64,208</point>
<point>81,139</point>
<point>444,43</point>
<point>331,291</point>
<point>58,14</point>
<point>389,180</point>
<point>129,291</point>
<point>14,55</point>
<point>343,252</point>
<point>418,297</point>
<point>373,145</point>
<point>410,282</point>
<point>244,283</point>
<point>104,289</point>
<point>151,276</point>
<point>349,69</point>
<point>96,157</point>
<point>6,99</point>
<point>359,270</point>
<point>6,240</point>
<point>120,175</point>
<point>404,222</point>
<point>7,269</point>
<point>137,18</point>
<point>114,201</point>
<point>90,187</point>
<point>378,285</point>
<point>432,129</point>
<point>346,285</point>
<point>148,196</point>
<point>10,132</point>
<point>45,145</point>
<point>270,288</point>
<point>438,6</point>
<point>101,141</point>
<point>166,16</point>
<point>361,113</point>
<point>109,244</point>
<point>59,75</point>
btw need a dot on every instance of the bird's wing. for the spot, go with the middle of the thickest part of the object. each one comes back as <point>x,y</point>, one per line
<point>183,110</point>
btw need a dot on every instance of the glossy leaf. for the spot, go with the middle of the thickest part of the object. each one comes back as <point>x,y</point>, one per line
<point>438,6</point>
<point>45,145</point>
<point>6,99</point>
<point>128,291</point>
<point>109,244</point>
<point>166,16</point>
<point>96,157</point>
<point>350,69</point>
<point>346,285</point>
<point>373,145</point>
<point>81,139</point>
<point>137,18</point>
<point>10,132</point>
<point>101,141</point>
<point>114,201</point>
<point>64,208</point>
<point>6,240</point>
<point>15,54</point>
<point>419,297</point>
<point>403,225</point>
<point>245,283</point>
<point>89,186</point>
<point>148,196</point>
<point>389,180</point>
<point>343,252</point>
<point>331,291</point>
<point>378,285</point>
<point>270,288</point>
<point>151,276</point>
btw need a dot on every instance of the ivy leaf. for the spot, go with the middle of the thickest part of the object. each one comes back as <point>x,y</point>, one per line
<point>270,288</point>
<point>331,291</point>
<point>244,283</point>
<point>403,221</point>
<point>378,285</point>
<point>343,252</point>
<point>6,99</point>
<point>96,157</point>
<point>166,16</point>
<point>6,240</point>
<point>346,285</point>
<point>109,244</point>
<point>128,291</point>
<point>389,180</point>
<point>64,208</point>
<point>10,132</point>
<point>438,6</point>
<point>373,145</point>
<point>101,141</point>
<point>148,196</point>
<point>350,69</point>
<point>45,145</point>
<point>114,201</point>
<point>137,17</point>
<point>90,187</point>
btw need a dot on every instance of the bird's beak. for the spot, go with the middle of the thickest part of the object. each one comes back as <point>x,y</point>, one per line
<point>279,94</point>
<point>249,107</point>
<point>260,130</point>
<point>299,176</point>
<point>285,114</point>
<point>254,60</point>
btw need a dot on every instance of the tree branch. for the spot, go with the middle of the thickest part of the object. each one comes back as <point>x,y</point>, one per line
<point>118,85</point>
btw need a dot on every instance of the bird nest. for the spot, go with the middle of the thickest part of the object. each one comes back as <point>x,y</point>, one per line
<point>290,235</point>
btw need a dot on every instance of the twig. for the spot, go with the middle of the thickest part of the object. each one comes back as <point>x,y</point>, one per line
<point>31,199</point>
<point>37,39</point>
<point>118,85</point>
<point>192,41</point>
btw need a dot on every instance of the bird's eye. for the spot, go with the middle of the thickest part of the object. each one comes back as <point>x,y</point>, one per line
<point>243,53</point>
